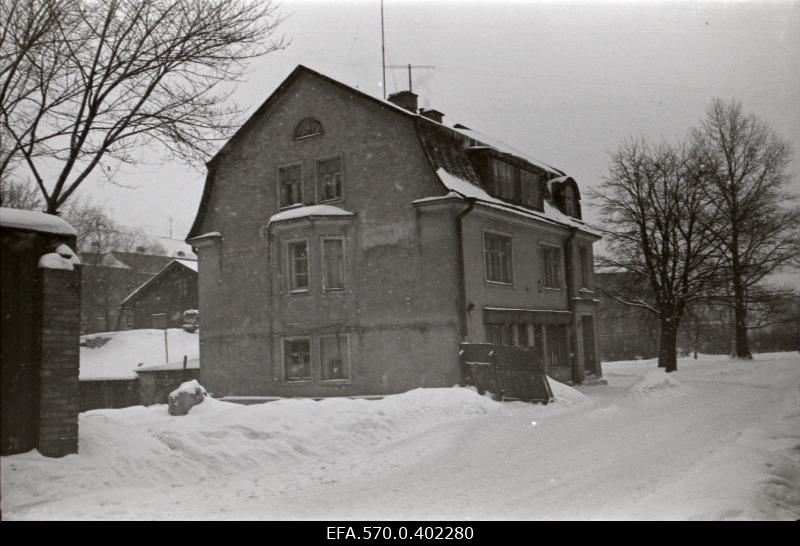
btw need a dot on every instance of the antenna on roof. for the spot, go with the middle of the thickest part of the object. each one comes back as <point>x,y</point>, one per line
<point>409,67</point>
<point>383,53</point>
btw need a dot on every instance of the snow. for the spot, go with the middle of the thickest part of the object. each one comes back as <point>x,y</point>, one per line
<point>121,355</point>
<point>175,247</point>
<point>67,253</point>
<point>34,221</point>
<point>307,211</point>
<point>467,189</point>
<point>191,364</point>
<point>55,261</point>
<point>188,387</point>
<point>723,446</point>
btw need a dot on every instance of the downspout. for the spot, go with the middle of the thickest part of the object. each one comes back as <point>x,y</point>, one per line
<point>461,304</point>
<point>568,273</point>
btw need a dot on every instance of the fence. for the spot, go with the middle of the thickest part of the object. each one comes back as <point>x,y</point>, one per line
<point>510,373</point>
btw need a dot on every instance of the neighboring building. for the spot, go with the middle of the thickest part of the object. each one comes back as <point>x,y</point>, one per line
<point>108,278</point>
<point>39,332</point>
<point>160,301</point>
<point>348,245</point>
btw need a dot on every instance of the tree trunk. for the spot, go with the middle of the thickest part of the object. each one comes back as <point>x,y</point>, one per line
<point>740,318</point>
<point>667,347</point>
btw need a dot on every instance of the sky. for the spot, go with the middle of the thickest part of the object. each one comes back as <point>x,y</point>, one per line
<point>565,81</point>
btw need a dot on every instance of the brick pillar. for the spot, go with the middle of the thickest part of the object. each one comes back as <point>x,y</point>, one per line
<point>60,339</point>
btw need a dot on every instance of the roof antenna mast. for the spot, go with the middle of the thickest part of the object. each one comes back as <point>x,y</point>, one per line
<point>383,53</point>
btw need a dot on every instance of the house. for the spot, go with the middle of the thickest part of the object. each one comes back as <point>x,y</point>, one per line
<point>39,331</point>
<point>160,301</point>
<point>347,246</point>
<point>109,277</point>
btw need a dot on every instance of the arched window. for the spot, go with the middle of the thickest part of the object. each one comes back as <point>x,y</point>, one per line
<point>307,128</point>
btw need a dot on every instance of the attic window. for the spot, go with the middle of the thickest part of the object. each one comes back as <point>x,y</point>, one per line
<point>307,128</point>
<point>569,202</point>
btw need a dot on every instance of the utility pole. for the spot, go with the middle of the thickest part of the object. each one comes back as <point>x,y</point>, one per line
<point>409,67</point>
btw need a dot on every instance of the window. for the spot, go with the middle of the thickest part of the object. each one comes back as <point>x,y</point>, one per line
<point>297,360</point>
<point>497,254</point>
<point>500,334</point>
<point>298,266</point>
<point>307,128</point>
<point>586,267</point>
<point>557,354</point>
<point>329,178</point>
<point>333,264</point>
<point>503,180</point>
<point>291,185</point>
<point>569,202</point>
<point>550,259</point>
<point>531,189</point>
<point>334,356</point>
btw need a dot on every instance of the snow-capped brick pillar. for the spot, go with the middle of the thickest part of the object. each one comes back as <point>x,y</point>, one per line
<point>60,338</point>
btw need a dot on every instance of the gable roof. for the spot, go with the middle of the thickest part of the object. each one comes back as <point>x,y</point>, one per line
<point>188,264</point>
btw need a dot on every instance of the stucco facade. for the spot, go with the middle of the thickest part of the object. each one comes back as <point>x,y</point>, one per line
<point>393,312</point>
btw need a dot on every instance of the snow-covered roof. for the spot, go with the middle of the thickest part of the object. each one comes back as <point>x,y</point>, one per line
<point>191,364</point>
<point>501,146</point>
<point>308,211</point>
<point>175,246</point>
<point>551,213</point>
<point>121,355</point>
<point>32,220</point>
<point>189,264</point>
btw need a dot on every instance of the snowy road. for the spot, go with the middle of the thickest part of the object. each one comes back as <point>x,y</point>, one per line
<point>719,439</point>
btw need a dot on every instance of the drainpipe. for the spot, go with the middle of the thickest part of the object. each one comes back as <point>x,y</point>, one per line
<point>462,289</point>
<point>577,375</point>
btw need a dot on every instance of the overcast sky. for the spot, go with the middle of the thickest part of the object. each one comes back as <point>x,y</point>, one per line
<point>565,81</point>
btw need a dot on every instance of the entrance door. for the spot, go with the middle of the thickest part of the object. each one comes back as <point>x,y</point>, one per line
<point>589,355</point>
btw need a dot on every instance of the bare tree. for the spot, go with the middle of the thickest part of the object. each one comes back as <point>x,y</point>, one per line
<point>651,204</point>
<point>88,84</point>
<point>98,234</point>
<point>19,194</point>
<point>757,230</point>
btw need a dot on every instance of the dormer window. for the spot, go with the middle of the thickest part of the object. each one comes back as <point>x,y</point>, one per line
<point>569,202</point>
<point>531,190</point>
<point>503,183</point>
<point>307,128</point>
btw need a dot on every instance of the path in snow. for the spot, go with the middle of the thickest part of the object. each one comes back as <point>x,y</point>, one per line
<point>719,439</point>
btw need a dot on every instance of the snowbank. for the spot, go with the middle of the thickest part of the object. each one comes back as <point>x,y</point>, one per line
<point>121,354</point>
<point>565,395</point>
<point>144,446</point>
<point>657,383</point>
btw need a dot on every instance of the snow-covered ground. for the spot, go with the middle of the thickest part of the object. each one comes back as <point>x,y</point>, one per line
<point>719,439</point>
<point>117,355</point>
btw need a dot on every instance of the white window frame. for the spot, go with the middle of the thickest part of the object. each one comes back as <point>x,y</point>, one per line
<point>310,359</point>
<point>290,266</point>
<point>341,238</point>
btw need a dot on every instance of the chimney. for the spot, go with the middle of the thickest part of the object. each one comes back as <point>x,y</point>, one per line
<point>435,115</point>
<point>405,99</point>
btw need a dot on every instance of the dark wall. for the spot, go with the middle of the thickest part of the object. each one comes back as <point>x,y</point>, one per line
<point>39,336</point>
<point>171,293</point>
